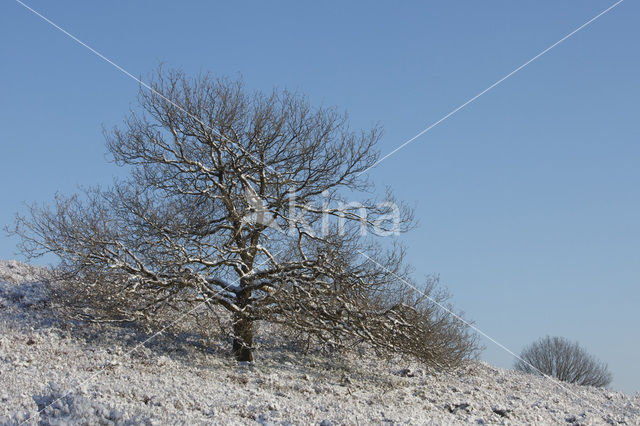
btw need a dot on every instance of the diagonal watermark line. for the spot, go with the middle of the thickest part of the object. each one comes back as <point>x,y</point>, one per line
<point>139,81</point>
<point>454,111</point>
<point>472,326</point>
<point>147,340</point>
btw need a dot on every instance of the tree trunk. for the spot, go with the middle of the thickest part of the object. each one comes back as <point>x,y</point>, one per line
<point>243,338</point>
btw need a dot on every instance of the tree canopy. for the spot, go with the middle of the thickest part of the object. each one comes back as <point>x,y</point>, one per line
<point>238,201</point>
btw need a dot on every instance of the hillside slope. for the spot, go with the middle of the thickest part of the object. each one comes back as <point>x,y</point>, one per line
<point>58,372</point>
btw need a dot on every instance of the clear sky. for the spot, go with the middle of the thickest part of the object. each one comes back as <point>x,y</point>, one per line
<point>528,199</point>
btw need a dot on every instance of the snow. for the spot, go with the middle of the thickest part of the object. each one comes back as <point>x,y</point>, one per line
<point>54,371</point>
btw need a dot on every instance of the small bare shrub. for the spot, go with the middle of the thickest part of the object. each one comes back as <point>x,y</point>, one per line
<point>565,360</point>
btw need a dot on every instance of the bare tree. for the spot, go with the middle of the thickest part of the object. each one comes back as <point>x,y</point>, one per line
<point>565,360</point>
<point>237,201</point>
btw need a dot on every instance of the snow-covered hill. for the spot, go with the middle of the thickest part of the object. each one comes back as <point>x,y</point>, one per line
<point>57,372</point>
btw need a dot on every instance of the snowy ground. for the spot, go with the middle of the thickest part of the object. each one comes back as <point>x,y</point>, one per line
<point>57,372</point>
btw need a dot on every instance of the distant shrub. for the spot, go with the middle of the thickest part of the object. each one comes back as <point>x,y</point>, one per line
<point>565,360</point>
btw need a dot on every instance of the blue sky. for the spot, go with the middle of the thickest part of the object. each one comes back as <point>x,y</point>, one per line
<point>528,199</point>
